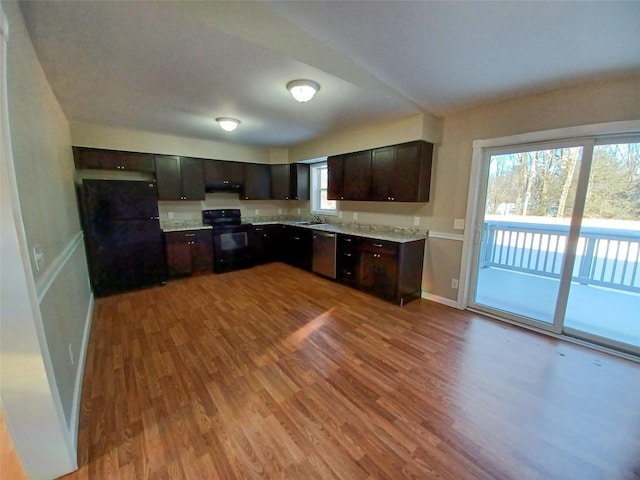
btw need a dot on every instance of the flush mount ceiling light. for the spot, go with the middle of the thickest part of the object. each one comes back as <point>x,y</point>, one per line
<point>227,123</point>
<point>303,90</point>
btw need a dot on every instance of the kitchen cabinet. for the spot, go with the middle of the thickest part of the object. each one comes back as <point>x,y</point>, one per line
<point>290,181</point>
<point>189,252</point>
<point>223,175</point>
<point>335,177</point>
<point>355,174</point>
<point>391,270</point>
<point>265,243</point>
<point>396,173</point>
<point>179,178</point>
<point>347,260</point>
<point>297,244</point>
<point>257,182</point>
<point>401,173</point>
<point>97,158</point>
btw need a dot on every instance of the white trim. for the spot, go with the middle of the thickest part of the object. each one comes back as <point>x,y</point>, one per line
<point>77,389</point>
<point>458,237</point>
<point>444,301</point>
<point>597,129</point>
<point>53,270</point>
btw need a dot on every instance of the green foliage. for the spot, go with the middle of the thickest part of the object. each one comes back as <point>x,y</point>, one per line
<point>543,183</point>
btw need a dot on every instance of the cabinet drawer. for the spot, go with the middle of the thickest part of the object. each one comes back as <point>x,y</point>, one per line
<point>371,245</point>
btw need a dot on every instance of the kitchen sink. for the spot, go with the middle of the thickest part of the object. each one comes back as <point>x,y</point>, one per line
<point>306,222</point>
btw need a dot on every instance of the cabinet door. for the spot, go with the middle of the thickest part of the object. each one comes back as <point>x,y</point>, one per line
<point>378,267</point>
<point>168,177</point>
<point>357,176</point>
<point>412,179</point>
<point>280,185</point>
<point>202,251</point>
<point>335,178</point>
<point>257,181</point>
<point>97,158</point>
<point>299,247</point>
<point>192,178</point>
<point>382,173</point>
<point>222,172</point>
<point>179,253</point>
<point>378,274</point>
<point>299,181</point>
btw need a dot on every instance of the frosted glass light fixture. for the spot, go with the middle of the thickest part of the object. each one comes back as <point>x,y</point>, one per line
<point>227,123</point>
<point>303,90</point>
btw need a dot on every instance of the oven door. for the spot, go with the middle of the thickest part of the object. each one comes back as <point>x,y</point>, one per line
<point>231,248</point>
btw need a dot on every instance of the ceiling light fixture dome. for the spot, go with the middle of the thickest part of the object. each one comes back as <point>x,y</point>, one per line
<point>227,123</point>
<point>303,90</point>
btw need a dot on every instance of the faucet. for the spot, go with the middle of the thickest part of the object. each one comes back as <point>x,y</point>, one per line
<point>317,218</point>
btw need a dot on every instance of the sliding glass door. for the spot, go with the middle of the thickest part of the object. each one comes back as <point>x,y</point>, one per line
<point>559,237</point>
<point>604,295</point>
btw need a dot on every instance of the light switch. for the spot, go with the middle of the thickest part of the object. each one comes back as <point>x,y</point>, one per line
<point>355,215</point>
<point>170,215</point>
<point>458,223</point>
<point>416,221</point>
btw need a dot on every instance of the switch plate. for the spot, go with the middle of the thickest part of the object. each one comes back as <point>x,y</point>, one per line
<point>298,211</point>
<point>416,221</point>
<point>170,215</point>
<point>458,223</point>
<point>454,283</point>
<point>279,211</point>
<point>355,215</point>
<point>257,211</point>
<point>339,214</point>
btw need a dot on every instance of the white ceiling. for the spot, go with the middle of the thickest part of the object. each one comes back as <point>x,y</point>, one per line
<point>173,67</point>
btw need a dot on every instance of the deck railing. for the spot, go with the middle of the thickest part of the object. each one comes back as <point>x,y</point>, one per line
<point>606,257</point>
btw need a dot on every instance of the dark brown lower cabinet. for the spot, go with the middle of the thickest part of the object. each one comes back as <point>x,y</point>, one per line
<point>297,244</point>
<point>265,243</point>
<point>391,270</point>
<point>347,260</point>
<point>189,252</point>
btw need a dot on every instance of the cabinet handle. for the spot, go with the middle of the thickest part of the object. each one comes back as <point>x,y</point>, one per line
<point>296,238</point>
<point>259,229</point>
<point>379,245</point>
<point>225,181</point>
<point>347,239</point>
<point>347,254</point>
<point>189,234</point>
<point>286,197</point>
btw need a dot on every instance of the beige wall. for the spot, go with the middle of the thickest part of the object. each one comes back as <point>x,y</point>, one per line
<point>46,213</point>
<point>96,136</point>
<point>598,102</point>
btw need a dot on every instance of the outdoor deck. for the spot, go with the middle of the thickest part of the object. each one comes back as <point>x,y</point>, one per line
<point>601,311</point>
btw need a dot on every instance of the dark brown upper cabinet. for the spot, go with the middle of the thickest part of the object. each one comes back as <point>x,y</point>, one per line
<point>290,181</point>
<point>97,158</point>
<point>257,182</point>
<point>335,177</point>
<point>397,173</point>
<point>223,175</point>
<point>179,178</point>
<point>349,176</point>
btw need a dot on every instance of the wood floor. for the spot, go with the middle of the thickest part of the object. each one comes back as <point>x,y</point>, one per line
<point>276,373</point>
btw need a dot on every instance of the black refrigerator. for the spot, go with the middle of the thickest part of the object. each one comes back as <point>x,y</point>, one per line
<point>124,242</point>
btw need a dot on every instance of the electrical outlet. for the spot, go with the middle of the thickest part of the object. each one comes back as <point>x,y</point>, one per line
<point>416,221</point>
<point>355,215</point>
<point>298,211</point>
<point>71,353</point>
<point>257,211</point>
<point>454,283</point>
<point>38,256</point>
<point>170,215</point>
<point>279,211</point>
<point>339,214</point>
<point>458,223</point>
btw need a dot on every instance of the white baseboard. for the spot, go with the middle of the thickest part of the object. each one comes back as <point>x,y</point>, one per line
<point>77,389</point>
<point>445,301</point>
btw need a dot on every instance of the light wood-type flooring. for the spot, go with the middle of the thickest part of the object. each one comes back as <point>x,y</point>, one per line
<point>276,373</point>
